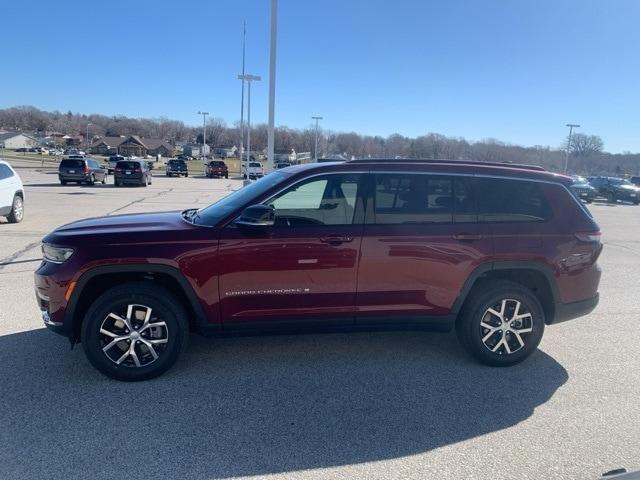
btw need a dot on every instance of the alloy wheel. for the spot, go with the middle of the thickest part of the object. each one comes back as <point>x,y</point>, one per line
<point>134,337</point>
<point>504,326</point>
<point>18,208</point>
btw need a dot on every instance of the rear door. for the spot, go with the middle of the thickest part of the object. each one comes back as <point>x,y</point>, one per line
<point>302,269</point>
<point>420,243</point>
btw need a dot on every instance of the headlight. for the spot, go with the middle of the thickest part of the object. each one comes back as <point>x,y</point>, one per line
<point>56,254</point>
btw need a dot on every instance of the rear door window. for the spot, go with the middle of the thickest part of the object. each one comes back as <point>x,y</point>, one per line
<point>506,200</point>
<point>407,199</point>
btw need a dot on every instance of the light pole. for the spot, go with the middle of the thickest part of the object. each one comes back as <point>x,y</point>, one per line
<point>566,158</point>
<point>204,133</point>
<point>272,83</point>
<point>248,78</point>
<point>244,35</point>
<point>88,124</point>
<point>315,152</point>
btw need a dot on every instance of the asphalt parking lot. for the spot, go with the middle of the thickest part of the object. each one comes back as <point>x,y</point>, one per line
<point>369,405</point>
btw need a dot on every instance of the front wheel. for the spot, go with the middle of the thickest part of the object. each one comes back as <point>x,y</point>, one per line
<point>134,332</point>
<point>501,323</point>
<point>17,210</point>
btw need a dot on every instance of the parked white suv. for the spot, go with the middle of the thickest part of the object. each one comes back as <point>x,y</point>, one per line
<point>255,170</point>
<point>11,194</point>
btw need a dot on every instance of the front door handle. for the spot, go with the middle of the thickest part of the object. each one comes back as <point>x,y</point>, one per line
<point>336,239</point>
<point>467,237</point>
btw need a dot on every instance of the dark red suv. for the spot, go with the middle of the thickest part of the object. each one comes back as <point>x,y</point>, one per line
<point>495,251</point>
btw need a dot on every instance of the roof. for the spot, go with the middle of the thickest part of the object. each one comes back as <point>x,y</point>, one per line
<point>149,143</point>
<point>440,166</point>
<point>6,135</point>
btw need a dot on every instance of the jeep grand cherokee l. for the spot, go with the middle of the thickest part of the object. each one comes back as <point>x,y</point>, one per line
<point>494,251</point>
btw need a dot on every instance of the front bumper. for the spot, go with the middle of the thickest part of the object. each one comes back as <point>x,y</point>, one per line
<point>569,311</point>
<point>43,304</point>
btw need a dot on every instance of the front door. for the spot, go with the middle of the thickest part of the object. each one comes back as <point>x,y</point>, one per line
<point>419,245</point>
<point>303,269</point>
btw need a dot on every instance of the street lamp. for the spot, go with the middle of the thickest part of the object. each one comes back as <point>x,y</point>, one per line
<point>204,134</point>
<point>315,152</point>
<point>248,78</point>
<point>566,158</point>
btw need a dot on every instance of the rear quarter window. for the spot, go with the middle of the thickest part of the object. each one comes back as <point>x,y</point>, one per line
<point>507,200</point>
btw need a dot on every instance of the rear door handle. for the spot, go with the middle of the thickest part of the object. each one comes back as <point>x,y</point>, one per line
<point>336,239</point>
<point>467,237</point>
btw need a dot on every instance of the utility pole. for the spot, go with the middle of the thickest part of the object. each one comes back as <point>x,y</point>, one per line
<point>244,35</point>
<point>248,78</point>
<point>566,158</point>
<point>88,124</point>
<point>272,84</point>
<point>204,134</point>
<point>315,152</point>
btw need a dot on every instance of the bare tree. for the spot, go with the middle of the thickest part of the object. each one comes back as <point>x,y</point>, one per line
<point>583,145</point>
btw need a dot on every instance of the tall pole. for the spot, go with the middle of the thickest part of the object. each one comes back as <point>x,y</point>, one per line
<point>248,78</point>
<point>244,35</point>
<point>272,83</point>
<point>204,134</point>
<point>566,158</point>
<point>248,130</point>
<point>315,152</point>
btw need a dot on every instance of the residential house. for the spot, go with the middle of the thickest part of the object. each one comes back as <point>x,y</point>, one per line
<point>195,150</point>
<point>13,140</point>
<point>132,145</point>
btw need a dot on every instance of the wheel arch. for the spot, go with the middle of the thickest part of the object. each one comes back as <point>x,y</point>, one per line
<point>533,275</point>
<point>96,280</point>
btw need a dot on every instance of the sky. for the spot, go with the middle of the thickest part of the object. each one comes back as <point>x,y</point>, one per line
<point>513,70</point>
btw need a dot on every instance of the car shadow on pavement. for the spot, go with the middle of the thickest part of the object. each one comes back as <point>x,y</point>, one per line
<point>254,406</point>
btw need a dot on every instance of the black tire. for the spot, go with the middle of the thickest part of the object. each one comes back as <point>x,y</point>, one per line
<point>116,183</point>
<point>636,202</point>
<point>17,210</point>
<point>92,180</point>
<point>186,175</point>
<point>244,175</point>
<point>168,174</point>
<point>63,182</point>
<point>150,179</point>
<point>104,180</point>
<point>164,306</point>
<point>226,175</point>
<point>475,311</point>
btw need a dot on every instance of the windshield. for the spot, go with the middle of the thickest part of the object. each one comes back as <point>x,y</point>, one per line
<point>620,181</point>
<point>255,165</point>
<point>215,212</point>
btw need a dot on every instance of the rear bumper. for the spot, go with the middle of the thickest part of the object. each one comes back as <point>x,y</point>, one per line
<point>129,179</point>
<point>71,177</point>
<point>569,311</point>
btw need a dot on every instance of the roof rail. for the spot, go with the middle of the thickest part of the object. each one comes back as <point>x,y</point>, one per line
<point>462,162</point>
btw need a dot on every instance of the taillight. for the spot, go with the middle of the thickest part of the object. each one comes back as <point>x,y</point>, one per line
<point>86,170</point>
<point>118,169</point>
<point>591,237</point>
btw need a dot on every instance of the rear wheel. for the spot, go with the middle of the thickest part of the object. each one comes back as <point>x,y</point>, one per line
<point>92,179</point>
<point>17,210</point>
<point>134,332</point>
<point>63,182</point>
<point>104,179</point>
<point>501,323</point>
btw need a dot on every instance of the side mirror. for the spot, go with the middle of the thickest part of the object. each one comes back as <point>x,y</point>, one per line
<point>256,216</point>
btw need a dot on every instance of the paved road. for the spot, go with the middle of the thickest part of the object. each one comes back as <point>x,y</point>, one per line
<point>379,405</point>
